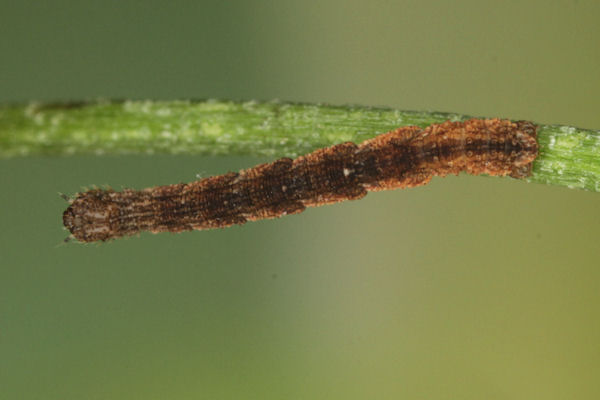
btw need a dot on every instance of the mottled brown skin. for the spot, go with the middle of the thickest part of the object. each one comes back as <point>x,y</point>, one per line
<point>406,157</point>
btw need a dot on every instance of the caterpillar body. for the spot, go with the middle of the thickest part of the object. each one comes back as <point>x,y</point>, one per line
<point>406,157</point>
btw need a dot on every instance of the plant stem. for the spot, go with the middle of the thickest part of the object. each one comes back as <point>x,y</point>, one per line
<point>568,156</point>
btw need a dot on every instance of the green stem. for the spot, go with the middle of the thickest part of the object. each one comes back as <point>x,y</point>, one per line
<point>568,156</point>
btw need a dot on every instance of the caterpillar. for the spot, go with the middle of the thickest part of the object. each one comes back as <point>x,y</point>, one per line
<point>406,157</point>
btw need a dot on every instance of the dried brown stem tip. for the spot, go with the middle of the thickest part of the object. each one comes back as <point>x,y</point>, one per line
<point>406,157</point>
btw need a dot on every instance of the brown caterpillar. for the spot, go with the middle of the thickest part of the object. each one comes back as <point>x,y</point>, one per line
<point>406,157</point>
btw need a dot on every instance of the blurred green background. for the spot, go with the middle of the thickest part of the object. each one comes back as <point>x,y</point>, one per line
<point>470,287</point>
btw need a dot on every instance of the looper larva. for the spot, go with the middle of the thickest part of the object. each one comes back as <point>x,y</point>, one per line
<point>406,157</point>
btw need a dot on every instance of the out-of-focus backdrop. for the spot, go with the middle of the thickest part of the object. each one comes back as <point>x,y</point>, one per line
<point>469,288</point>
